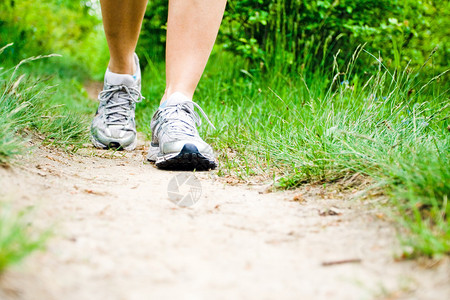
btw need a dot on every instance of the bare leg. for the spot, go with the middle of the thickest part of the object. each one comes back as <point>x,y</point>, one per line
<point>191,31</point>
<point>122,21</point>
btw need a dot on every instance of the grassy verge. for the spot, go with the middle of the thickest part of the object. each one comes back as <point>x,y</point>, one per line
<point>17,238</point>
<point>43,100</point>
<point>33,102</point>
<point>391,125</point>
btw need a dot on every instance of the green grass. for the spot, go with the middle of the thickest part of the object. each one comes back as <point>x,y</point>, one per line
<point>17,239</point>
<point>40,98</point>
<point>34,103</point>
<point>391,125</point>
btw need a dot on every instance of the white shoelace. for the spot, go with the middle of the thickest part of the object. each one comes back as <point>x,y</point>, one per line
<point>116,110</point>
<point>180,124</point>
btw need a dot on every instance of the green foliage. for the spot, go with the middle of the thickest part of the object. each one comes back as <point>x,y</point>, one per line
<point>69,28</point>
<point>17,240</point>
<point>296,34</point>
<point>26,105</point>
<point>153,34</point>
<point>421,187</point>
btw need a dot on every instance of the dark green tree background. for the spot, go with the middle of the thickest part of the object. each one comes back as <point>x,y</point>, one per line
<point>299,33</point>
<point>288,34</point>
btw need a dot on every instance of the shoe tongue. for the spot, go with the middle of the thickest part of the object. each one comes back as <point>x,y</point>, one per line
<point>119,79</point>
<point>176,98</point>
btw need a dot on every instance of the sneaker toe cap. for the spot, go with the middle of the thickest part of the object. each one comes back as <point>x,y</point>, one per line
<point>110,134</point>
<point>177,146</point>
<point>118,132</point>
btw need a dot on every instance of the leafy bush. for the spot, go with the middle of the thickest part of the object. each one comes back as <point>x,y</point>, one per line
<point>290,34</point>
<point>298,33</point>
<point>69,28</point>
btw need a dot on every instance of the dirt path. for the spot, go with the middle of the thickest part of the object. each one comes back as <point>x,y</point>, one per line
<point>118,237</point>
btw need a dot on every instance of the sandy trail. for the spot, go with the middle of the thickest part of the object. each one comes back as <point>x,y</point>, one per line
<point>118,237</point>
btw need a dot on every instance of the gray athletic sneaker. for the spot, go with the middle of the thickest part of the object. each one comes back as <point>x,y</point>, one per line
<point>176,143</point>
<point>114,124</point>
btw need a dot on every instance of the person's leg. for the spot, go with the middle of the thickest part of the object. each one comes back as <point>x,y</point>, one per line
<point>114,123</point>
<point>122,21</point>
<point>191,31</point>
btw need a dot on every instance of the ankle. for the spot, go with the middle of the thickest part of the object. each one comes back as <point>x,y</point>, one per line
<point>169,92</point>
<point>122,66</point>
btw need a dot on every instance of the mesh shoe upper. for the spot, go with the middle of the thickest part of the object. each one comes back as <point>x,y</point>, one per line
<point>114,123</point>
<point>174,125</point>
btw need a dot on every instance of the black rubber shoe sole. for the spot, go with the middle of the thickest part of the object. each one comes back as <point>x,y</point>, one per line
<point>188,159</point>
